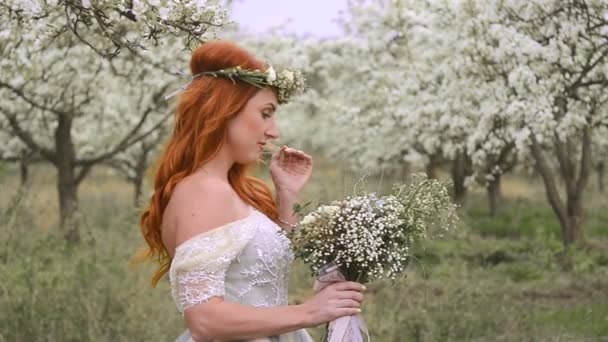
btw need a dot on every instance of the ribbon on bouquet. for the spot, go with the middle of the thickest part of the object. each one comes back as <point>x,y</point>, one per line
<point>345,328</point>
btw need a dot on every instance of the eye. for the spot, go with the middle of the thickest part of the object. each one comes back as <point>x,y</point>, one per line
<point>266,115</point>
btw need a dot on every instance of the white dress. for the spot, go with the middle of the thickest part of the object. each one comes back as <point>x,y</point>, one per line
<point>246,261</point>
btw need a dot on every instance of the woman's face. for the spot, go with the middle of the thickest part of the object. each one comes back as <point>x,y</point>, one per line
<point>253,126</point>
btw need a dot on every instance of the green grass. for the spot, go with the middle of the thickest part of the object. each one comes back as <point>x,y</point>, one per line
<point>505,278</point>
<point>519,218</point>
<point>590,319</point>
<point>52,291</point>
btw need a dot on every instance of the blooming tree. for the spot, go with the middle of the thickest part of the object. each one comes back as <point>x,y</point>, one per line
<point>133,162</point>
<point>548,60</point>
<point>484,85</point>
<point>12,150</point>
<point>385,92</point>
<point>83,81</point>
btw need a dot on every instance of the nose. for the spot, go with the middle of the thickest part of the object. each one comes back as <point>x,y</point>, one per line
<point>272,132</point>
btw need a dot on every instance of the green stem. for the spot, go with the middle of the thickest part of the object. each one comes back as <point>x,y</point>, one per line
<point>415,193</point>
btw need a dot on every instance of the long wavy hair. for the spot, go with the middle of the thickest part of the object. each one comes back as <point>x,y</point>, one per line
<point>201,122</point>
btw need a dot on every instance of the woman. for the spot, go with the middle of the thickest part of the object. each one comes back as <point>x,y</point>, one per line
<point>217,230</point>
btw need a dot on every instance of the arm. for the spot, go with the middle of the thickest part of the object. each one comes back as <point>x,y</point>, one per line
<point>290,170</point>
<point>217,319</point>
<point>285,202</point>
<point>221,320</point>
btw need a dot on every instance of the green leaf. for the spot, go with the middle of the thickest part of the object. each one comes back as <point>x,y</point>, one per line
<point>297,207</point>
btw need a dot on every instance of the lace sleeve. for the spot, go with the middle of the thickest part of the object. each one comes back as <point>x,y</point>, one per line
<point>199,266</point>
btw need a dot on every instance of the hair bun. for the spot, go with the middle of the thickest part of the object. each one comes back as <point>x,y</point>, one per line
<point>221,54</point>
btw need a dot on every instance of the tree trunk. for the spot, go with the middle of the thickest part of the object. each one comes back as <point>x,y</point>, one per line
<point>494,194</point>
<point>23,172</point>
<point>68,206</point>
<point>459,173</point>
<point>569,214</point>
<point>573,228</point>
<point>137,187</point>
<point>67,183</point>
<point>431,171</point>
<point>600,176</point>
<point>140,172</point>
<point>431,168</point>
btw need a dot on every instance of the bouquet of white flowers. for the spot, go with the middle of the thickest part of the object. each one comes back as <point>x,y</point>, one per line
<point>369,237</point>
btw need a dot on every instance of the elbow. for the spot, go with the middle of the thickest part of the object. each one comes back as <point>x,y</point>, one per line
<point>204,331</point>
<point>202,325</point>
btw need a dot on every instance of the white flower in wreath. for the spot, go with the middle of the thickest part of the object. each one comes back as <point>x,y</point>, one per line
<point>272,75</point>
<point>289,76</point>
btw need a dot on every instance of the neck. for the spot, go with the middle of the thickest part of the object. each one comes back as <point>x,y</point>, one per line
<point>218,166</point>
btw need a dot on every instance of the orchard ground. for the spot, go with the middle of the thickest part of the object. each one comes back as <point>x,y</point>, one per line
<point>503,278</point>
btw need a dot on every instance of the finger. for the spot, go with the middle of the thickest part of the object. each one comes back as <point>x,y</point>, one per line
<point>296,158</point>
<point>354,295</point>
<point>305,157</point>
<point>300,156</point>
<point>282,154</point>
<point>277,154</point>
<point>347,303</point>
<point>292,154</point>
<point>288,152</point>
<point>308,160</point>
<point>347,311</point>
<point>292,151</point>
<point>349,285</point>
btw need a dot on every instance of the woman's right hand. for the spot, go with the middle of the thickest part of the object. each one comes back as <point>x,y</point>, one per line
<point>339,299</point>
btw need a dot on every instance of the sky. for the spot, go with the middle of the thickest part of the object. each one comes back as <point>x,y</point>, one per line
<point>303,17</point>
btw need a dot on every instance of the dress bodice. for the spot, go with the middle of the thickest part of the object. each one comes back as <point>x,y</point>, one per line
<point>246,261</point>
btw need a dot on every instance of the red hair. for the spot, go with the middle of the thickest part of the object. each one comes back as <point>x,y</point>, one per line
<point>201,121</point>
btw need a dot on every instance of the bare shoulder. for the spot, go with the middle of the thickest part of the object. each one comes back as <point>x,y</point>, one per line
<point>198,205</point>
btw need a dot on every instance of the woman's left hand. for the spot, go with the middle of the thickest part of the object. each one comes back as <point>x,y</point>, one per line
<point>290,170</point>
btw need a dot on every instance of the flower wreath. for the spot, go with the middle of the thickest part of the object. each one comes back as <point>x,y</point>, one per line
<point>289,83</point>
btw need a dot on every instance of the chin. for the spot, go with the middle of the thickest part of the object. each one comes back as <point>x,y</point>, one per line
<point>252,158</point>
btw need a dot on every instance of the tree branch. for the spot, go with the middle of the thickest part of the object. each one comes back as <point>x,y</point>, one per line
<point>22,95</point>
<point>550,183</point>
<point>128,139</point>
<point>26,137</point>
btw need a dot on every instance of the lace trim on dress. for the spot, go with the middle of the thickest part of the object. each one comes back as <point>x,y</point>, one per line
<point>199,266</point>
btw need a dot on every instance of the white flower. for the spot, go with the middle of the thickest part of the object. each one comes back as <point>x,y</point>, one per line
<point>272,75</point>
<point>308,219</point>
<point>372,234</point>
<point>289,76</point>
<point>329,209</point>
<point>164,12</point>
